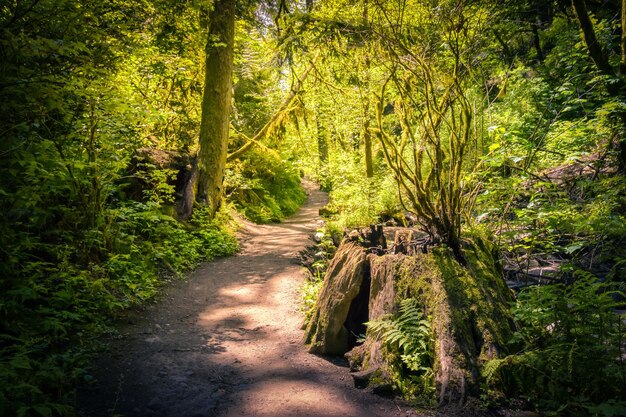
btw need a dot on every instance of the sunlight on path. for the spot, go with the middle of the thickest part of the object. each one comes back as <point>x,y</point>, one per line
<point>228,342</point>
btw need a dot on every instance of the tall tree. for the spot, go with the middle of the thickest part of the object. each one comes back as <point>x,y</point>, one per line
<point>365,132</point>
<point>207,179</point>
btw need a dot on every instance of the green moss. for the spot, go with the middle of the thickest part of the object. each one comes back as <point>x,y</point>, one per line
<point>468,304</point>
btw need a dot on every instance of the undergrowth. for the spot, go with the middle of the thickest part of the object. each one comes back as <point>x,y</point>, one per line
<point>59,295</point>
<point>316,259</point>
<point>356,200</point>
<point>263,188</point>
<point>409,345</point>
<point>570,345</point>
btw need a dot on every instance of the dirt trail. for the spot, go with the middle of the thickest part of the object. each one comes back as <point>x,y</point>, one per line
<point>228,343</point>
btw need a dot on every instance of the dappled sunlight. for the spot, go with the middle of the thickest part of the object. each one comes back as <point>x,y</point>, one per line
<point>286,395</point>
<point>229,342</point>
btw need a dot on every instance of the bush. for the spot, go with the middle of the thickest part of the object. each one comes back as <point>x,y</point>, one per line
<point>264,189</point>
<point>570,343</point>
<point>355,199</point>
<point>58,296</point>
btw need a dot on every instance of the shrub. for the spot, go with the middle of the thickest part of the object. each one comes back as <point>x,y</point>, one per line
<point>570,343</point>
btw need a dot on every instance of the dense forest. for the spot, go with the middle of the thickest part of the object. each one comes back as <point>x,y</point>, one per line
<point>135,134</point>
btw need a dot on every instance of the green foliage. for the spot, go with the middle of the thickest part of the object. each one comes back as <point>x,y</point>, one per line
<point>52,310</point>
<point>408,341</point>
<point>356,199</point>
<point>580,220</point>
<point>263,188</point>
<point>571,349</point>
<point>309,292</point>
<point>83,84</point>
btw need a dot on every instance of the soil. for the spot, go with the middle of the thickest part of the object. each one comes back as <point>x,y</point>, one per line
<point>228,342</point>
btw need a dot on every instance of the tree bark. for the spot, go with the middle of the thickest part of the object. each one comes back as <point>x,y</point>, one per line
<point>367,136</point>
<point>623,40</point>
<point>367,140</point>
<point>537,42</point>
<point>216,105</point>
<point>615,89</point>
<point>589,36</point>
<point>322,144</point>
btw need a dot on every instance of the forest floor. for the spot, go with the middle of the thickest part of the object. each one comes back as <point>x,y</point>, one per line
<point>227,342</point>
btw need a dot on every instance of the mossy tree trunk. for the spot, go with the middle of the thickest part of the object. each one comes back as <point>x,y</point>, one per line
<point>216,105</point>
<point>322,142</point>
<point>365,131</point>
<point>468,306</point>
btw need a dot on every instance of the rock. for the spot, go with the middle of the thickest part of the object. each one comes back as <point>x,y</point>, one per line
<point>317,237</point>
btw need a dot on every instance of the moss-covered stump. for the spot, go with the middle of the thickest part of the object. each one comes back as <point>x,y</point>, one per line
<point>326,331</point>
<point>467,305</point>
<point>368,357</point>
<point>341,308</point>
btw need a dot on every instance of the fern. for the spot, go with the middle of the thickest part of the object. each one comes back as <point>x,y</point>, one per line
<point>570,338</point>
<point>491,368</point>
<point>408,334</point>
<point>407,337</point>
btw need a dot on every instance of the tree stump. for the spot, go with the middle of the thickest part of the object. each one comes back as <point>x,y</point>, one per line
<point>468,306</point>
<point>326,331</point>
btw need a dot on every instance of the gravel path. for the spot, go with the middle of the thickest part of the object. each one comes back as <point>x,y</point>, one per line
<point>227,342</point>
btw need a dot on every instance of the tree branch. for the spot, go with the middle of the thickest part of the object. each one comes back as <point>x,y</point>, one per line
<point>284,108</point>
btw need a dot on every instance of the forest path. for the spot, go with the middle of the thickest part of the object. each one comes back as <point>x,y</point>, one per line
<point>228,342</point>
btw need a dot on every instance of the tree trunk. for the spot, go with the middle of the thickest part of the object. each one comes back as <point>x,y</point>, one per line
<point>623,40</point>
<point>367,139</point>
<point>589,35</point>
<point>537,42</point>
<point>322,143</point>
<point>367,136</point>
<point>216,105</point>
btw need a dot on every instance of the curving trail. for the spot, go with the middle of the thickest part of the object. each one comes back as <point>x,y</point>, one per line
<point>228,343</point>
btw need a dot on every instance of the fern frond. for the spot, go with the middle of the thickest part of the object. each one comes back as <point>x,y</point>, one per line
<point>491,368</point>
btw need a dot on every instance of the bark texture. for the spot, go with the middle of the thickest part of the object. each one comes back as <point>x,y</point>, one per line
<point>591,40</point>
<point>216,105</point>
<point>326,331</point>
<point>600,59</point>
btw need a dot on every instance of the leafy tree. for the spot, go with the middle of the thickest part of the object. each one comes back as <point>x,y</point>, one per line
<point>433,112</point>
